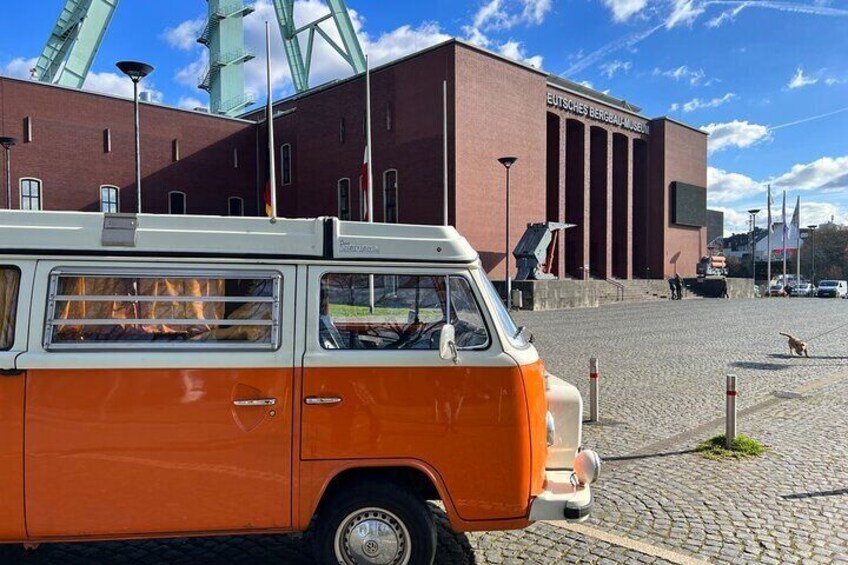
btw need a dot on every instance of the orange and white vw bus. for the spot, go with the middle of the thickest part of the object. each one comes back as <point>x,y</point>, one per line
<point>164,376</point>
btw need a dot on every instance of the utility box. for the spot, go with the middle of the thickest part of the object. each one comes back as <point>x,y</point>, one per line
<point>535,250</point>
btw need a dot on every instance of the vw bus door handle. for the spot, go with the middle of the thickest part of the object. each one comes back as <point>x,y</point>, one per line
<point>256,402</point>
<point>322,400</point>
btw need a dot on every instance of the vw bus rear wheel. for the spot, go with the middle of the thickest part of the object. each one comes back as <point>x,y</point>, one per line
<point>376,525</point>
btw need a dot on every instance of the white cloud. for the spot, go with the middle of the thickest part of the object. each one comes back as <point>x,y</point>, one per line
<point>119,85</point>
<point>727,16</point>
<point>191,103</point>
<point>800,80</point>
<point>829,173</point>
<point>185,35</point>
<point>734,220</point>
<point>683,12</point>
<point>515,50</point>
<point>724,186</point>
<point>737,133</point>
<point>683,72</point>
<point>506,14</point>
<point>610,69</point>
<point>622,10</point>
<point>19,67</point>
<point>534,11</point>
<point>698,104</point>
<point>500,15</point>
<point>818,213</point>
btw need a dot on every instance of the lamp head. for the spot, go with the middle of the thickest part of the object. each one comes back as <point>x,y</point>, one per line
<point>812,227</point>
<point>507,161</point>
<point>134,69</point>
<point>754,212</point>
<point>8,142</point>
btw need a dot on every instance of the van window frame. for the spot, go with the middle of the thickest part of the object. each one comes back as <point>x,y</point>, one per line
<point>472,285</point>
<point>17,309</point>
<point>277,313</point>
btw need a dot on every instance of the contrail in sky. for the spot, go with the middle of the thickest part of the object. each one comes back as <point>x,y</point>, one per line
<point>810,119</point>
<point>698,8</point>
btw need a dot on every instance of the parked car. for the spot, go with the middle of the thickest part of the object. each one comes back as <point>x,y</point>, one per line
<point>833,289</point>
<point>776,290</point>
<point>803,289</point>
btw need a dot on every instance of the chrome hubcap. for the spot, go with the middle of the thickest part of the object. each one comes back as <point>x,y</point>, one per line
<point>372,536</point>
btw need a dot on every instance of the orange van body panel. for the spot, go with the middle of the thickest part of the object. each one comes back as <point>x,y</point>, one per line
<point>474,426</point>
<point>122,452</point>
<point>12,525</point>
<point>537,407</point>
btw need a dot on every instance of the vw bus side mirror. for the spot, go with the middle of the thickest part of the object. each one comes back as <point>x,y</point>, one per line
<point>447,344</point>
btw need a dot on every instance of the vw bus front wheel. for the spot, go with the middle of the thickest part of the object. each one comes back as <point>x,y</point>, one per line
<point>376,525</point>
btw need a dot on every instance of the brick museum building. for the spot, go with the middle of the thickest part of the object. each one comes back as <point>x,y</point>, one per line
<point>633,186</point>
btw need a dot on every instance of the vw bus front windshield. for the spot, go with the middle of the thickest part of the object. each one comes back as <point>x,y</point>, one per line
<point>502,317</point>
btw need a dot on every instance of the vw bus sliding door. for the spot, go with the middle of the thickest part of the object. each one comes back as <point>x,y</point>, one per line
<point>158,399</point>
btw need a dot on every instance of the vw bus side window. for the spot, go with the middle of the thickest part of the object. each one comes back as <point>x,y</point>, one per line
<point>174,309</point>
<point>406,312</point>
<point>10,281</point>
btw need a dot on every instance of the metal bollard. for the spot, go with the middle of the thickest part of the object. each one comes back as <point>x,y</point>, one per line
<point>730,424</point>
<point>593,389</point>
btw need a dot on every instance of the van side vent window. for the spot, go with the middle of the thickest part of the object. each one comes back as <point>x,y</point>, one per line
<point>162,310</point>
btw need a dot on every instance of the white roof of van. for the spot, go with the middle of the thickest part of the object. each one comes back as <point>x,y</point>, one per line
<point>150,234</point>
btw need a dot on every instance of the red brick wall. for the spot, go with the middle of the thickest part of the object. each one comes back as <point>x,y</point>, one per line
<point>412,93</point>
<point>682,152</point>
<point>67,151</point>
<point>500,109</point>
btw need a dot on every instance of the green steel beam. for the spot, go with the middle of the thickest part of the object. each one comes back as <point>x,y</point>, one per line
<point>74,41</point>
<point>350,49</point>
<point>224,37</point>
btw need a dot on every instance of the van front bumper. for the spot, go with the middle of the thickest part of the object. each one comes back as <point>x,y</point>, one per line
<point>561,500</point>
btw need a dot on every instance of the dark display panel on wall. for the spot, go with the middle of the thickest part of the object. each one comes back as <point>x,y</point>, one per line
<point>688,205</point>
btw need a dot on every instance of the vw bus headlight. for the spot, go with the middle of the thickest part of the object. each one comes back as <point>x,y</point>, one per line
<point>550,427</point>
<point>587,467</point>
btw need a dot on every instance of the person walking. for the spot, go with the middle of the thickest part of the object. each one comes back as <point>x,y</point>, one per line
<point>678,285</point>
<point>671,287</point>
<point>724,288</point>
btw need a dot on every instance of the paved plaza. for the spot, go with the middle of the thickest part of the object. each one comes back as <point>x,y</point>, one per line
<point>663,367</point>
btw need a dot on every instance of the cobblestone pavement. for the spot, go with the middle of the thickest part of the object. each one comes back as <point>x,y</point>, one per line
<point>663,367</point>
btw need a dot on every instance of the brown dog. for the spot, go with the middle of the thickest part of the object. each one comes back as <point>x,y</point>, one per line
<point>796,346</point>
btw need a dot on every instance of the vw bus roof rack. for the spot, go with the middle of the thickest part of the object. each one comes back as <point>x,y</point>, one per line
<point>85,233</point>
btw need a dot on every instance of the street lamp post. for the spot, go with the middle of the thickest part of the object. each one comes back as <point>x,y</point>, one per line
<point>507,162</point>
<point>812,229</point>
<point>753,214</point>
<point>8,143</point>
<point>136,71</point>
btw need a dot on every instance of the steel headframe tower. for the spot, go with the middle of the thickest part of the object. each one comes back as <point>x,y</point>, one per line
<point>350,49</point>
<point>74,41</point>
<point>224,37</point>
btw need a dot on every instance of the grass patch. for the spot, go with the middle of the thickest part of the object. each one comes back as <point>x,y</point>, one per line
<point>741,447</point>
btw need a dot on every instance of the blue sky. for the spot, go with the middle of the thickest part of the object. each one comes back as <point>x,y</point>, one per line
<point>767,78</point>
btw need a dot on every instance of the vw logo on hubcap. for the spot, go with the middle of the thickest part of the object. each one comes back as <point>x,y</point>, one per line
<point>371,548</point>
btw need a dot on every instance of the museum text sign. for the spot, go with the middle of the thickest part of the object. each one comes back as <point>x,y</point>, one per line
<point>595,113</point>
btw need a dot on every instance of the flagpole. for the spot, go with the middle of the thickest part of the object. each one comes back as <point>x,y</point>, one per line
<point>785,228</point>
<point>797,215</point>
<point>370,172</point>
<point>445,149</point>
<point>272,180</point>
<point>768,233</point>
<point>368,138</point>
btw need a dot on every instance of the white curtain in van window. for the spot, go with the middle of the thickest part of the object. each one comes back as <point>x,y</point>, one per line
<point>9,282</point>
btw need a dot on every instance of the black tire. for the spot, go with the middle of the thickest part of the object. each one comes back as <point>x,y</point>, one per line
<point>389,501</point>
